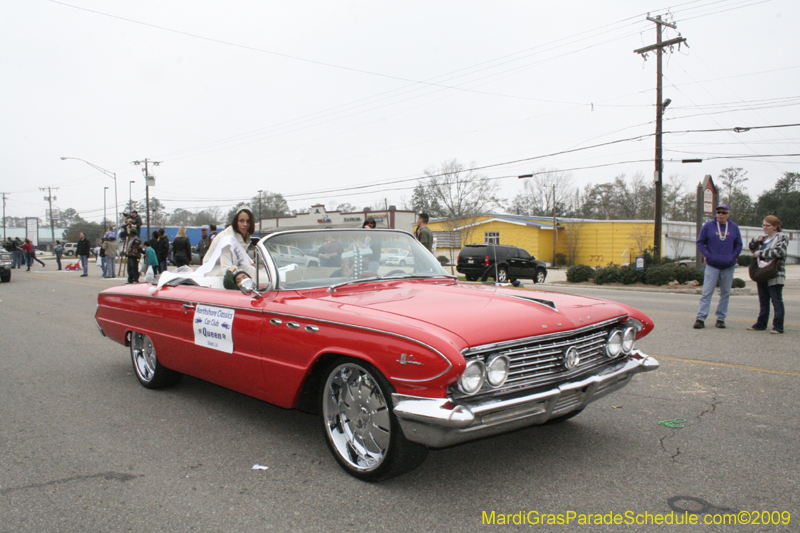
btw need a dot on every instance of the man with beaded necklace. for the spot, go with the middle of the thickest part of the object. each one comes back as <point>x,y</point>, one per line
<point>720,243</point>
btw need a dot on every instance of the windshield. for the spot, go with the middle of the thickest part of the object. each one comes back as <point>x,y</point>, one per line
<point>307,259</point>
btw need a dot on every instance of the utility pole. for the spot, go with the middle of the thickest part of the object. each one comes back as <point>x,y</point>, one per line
<point>149,180</point>
<point>660,106</point>
<point>49,198</point>
<point>4,215</point>
<point>555,226</point>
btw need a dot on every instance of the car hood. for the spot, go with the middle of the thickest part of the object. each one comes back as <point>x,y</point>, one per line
<point>482,314</point>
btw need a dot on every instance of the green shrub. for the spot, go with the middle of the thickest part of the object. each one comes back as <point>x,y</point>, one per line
<point>744,260</point>
<point>580,273</point>
<point>738,283</point>
<point>684,274</point>
<point>661,275</point>
<point>561,260</point>
<point>609,274</point>
<point>651,260</point>
<point>628,274</point>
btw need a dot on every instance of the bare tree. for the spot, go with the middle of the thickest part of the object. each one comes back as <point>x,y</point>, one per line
<point>733,179</point>
<point>538,191</point>
<point>642,236</point>
<point>677,241</point>
<point>461,192</point>
<point>571,237</point>
<point>633,200</point>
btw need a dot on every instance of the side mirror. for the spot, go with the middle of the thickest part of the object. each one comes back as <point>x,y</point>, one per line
<point>248,287</point>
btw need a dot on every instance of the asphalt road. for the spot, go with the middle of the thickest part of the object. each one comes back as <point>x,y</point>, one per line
<point>84,447</point>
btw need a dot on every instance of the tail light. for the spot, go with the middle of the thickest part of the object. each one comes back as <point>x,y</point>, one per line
<point>486,261</point>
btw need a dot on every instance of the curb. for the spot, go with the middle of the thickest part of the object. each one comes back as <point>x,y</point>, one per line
<point>693,290</point>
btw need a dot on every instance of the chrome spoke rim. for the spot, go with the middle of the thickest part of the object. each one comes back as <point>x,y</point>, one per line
<point>144,356</point>
<point>357,417</point>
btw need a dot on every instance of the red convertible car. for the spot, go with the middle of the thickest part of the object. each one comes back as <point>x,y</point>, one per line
<point>396,360</point>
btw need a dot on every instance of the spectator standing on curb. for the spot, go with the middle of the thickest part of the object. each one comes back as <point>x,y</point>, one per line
<point>162,250</point>
<point>720,243</point>
<point>27,249</point>
<point>771,247</point>
<point>212,232</point>
<point>151,258</point>
<point>134,254</point>
<point>58,249</point>
<point>110,250</point>
<point>11,246</point>
<point>82,251</point>
<point>153,243</point>
<point>20,253</point>
<point>202,246</point>
<point>423,232</point>
<point>182,248</point>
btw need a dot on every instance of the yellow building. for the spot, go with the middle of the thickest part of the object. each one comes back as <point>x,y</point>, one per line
<point>587,242</point>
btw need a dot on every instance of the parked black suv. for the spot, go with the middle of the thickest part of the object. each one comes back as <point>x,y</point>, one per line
<point>503,263</point>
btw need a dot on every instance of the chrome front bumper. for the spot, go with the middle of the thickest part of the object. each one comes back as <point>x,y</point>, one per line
<point>438,422</point>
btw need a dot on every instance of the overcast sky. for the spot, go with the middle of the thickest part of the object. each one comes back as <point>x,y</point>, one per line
<point>304,98</point>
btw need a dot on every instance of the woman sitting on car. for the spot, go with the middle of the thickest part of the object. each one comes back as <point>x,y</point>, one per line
<point>229,247</point>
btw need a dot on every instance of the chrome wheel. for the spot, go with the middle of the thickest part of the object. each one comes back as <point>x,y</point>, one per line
<point>144,357</point>
<point>149,371</point>
<point>540,276</point>
<point>357,417</point>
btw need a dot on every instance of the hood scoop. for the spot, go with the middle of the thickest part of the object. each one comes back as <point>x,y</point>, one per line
<point>547,303</point>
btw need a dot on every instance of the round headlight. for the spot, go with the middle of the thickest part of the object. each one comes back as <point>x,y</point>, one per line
<point>628,339</point>
<point>471,380</point>
<point>497,370</point>
<point>614,345</point>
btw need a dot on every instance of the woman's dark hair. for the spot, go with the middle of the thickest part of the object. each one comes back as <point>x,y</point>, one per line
<point>774,221</point>
<point>251,227</point>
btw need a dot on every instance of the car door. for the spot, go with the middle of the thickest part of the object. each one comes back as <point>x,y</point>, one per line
<point>225,345</point>
<point>527,265</point>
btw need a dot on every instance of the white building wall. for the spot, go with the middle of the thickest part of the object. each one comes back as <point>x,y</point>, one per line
<point>679,240</point>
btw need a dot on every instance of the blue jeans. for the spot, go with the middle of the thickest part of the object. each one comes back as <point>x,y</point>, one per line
<point>767,293</point>
<point>725,279</point>
<point>84,259</point>
<point>108,267</point>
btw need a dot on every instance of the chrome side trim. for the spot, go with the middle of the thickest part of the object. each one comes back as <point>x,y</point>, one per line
<point>382,332</point>
<point>440,422</point>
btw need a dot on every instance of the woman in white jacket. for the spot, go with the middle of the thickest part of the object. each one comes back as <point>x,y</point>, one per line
<point>229,247</point>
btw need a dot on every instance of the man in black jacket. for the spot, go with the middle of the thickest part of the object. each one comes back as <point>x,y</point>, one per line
<point>162,250</point>
<point>82,251</point>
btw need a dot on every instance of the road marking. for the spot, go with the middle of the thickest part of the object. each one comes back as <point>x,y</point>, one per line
<point>727,365</point>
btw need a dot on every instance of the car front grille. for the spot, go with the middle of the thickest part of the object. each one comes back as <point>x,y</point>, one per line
<point>539,361</point>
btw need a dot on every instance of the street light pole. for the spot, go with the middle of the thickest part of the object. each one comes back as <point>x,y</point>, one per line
<point>110,175</point>
<point>105,218</point>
